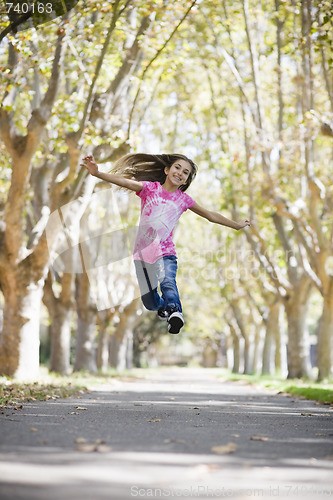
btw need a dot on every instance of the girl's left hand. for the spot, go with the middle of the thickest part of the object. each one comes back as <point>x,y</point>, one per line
<point>89,163</point>
<point>243,224</point>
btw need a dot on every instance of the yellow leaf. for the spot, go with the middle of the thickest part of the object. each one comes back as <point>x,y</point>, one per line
<point>86,447</point>
<point>97,446</point>
<point>224,449</point>
<point>259,438</point>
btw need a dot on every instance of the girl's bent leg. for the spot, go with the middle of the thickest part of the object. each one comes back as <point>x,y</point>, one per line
<point>168,285</point>
<point>148,276</point>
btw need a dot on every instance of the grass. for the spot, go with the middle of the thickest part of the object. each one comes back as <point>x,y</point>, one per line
<point>54,386</point>
<point>320,394</point>
<point>317,391</point>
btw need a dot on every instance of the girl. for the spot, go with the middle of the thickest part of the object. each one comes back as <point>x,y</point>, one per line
<point>160,181</point>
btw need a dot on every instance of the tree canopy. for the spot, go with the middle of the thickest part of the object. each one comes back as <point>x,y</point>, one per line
<point>245,89</point>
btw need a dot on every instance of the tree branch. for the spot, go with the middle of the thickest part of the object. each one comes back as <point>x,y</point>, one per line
<point>40,116</point>
<point>73,139</point>
<point>265,262</point>
<point>89,100</point>
<point>158,53</point>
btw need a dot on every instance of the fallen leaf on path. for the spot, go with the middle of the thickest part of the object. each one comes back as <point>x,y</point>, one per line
<point>18,407</point>
<point>86,447</point>
<point>307,414</point>
<point>80,408</point>
<point>98,446</point>
<point>224,449</point>
<point>80,440</point>
<point>74,413</point>
<point>259,438</point>
<point>155,420</point>
<point>33,429</point>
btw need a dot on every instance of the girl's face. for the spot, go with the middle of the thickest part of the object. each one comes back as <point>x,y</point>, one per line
<point>178,172</point>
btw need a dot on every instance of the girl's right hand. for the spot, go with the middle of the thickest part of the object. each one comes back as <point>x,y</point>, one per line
<point>89,163</point>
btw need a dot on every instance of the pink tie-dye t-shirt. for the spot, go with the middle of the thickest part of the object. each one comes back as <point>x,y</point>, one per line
<point>160,212</point>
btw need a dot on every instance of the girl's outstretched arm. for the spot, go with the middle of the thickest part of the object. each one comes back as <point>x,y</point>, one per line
<point>218,218</point>
<point>89,163</point>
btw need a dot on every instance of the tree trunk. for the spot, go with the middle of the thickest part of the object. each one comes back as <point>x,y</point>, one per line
<point>272,336</point>
<point>248,354</point>
<point>129,347</point>
<point>104,318</point>
<point>298,352</point>
<point>267,365</point>
<point>325,336</point>
<point>279,356</point>
<point>23,269</point>
<point>114,348</point>
<point>121,344</point>
<point>121,350</point>
<point>20,335</point>
<point>85,344</point>
<point>85,336</point>
<point>60,331</point>
<point>60,311</point>
<point>103,349</point>
<point>248,365</point>
<point>236,349</point>
<point>209,355</point>
<point>257,358</point>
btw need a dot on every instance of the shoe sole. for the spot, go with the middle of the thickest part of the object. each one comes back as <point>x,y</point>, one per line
<point>175,324</point>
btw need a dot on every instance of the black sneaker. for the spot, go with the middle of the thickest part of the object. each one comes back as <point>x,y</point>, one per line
<point>175,322</point>
<point>162,315</point>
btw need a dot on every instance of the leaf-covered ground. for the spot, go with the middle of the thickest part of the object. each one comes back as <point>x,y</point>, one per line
<point>13,393</point>
<point>53,386</point>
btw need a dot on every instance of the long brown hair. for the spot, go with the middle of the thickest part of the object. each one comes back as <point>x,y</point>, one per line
<point>147,167</point>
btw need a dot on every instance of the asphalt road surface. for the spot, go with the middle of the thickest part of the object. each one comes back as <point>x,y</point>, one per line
<point>179,433</point>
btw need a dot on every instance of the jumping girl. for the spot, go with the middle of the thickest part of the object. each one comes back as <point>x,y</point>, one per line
<point>160,181</point>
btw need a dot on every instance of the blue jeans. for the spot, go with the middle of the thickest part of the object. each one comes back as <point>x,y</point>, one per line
<point>162,272</point>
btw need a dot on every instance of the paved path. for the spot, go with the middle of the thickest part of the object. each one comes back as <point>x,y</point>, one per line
<point>181,433</point>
